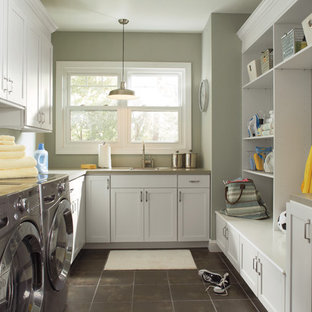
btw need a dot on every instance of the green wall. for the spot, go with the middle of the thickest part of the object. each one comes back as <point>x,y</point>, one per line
<point>221,124</point>
<point>153,47</point>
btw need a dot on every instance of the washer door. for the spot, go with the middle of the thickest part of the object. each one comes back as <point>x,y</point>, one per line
<point>60,245</point>
<point>21,271</point>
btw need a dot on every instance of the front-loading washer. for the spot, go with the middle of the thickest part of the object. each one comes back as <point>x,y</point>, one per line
<point>21,252</point>
<point>58,238</point>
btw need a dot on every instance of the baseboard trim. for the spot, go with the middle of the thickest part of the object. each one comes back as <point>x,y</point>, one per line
<point>213,246</point>
<point>146,245</point>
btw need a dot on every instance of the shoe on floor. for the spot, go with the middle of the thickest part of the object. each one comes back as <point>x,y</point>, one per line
<point>210,277</point>
<point>224,284</point>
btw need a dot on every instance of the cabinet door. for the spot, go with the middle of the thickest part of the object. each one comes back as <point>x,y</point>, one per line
<point>32,77</point>
<point>271,285</point>
<point>233,246</point>
<point>127,215</point>
<point>220,233</point>
<point>16,54</point>
<point>77,199</point>
<point>299,274</point>
<point>98,210</point>
<point>248,258</point>
<point>160,214</point>
<point>46,84</point>
<point>3,48</point>
<point>193,214</point>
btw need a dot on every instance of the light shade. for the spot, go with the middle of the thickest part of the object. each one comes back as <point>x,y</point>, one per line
<point>122,93</point>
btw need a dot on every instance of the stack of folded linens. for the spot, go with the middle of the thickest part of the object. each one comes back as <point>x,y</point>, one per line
<point>13,162</point>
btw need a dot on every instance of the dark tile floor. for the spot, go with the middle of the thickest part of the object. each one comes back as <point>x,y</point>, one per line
<point>91,289</point>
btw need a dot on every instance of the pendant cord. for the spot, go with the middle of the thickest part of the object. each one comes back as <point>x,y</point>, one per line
<point>123,52</point>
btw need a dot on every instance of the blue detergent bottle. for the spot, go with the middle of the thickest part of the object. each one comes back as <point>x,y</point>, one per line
<point>41,156</point>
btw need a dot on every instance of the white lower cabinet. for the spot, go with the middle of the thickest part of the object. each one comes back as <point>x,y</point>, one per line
<point>144,215</point>
<point>299,257</point>
<point>97,209</point>
<point>160,215</point>
<point>263,277</point>
<point>228,241</point>
<point>77,202</point>
<point>193,214</point>
<point>127,215</point>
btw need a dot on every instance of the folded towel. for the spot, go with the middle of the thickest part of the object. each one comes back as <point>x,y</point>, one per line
<point>7,138</point>
<point>11,155</point>
<point>12,148</point>
<point>2,142</point>
<point>18,173</point>
<point>25,162</point>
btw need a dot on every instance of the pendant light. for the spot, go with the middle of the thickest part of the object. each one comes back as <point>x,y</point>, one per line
<point>122,93</point>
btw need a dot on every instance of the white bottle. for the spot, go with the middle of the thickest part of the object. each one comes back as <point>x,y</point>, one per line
<point>41,156</point>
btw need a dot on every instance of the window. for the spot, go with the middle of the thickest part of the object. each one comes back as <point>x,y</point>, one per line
<point>85,117</point>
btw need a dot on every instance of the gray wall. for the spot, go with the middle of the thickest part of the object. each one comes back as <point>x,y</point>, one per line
<point>157,47</point>
<point>221,125</point>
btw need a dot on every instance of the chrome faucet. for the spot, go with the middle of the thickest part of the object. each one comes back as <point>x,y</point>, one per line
<point>146,163</point>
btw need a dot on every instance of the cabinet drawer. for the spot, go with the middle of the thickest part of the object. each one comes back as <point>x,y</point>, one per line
<point>193,181</point>
<point>143,181</point>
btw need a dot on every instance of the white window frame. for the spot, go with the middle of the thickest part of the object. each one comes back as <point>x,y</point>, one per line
<point>123,146</point>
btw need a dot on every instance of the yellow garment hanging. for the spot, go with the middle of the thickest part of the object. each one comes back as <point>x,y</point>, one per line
<point>306,186</point>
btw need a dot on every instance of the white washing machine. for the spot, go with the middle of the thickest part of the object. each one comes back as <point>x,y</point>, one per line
<point>21,252</point>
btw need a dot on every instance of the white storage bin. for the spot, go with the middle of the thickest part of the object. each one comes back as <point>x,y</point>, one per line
<point>307,28</point>
<point>254,69</point>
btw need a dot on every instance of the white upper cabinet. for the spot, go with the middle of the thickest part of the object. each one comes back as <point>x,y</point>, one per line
<point>3,50</point>
<point>16,54</point>
<point>32,76</point>
<point>25,65</point>
<point>46,85</point>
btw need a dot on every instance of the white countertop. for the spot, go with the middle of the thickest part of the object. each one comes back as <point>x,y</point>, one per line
<point>260,233</point>
<point>72,174</point>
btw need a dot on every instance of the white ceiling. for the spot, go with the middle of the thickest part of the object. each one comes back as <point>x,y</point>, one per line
<point>144,15</point>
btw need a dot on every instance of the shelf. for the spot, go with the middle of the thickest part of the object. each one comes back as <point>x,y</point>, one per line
<point>300,60</point>
<point>260,173</point>
<point>265,81</point>
<point>259,138</point>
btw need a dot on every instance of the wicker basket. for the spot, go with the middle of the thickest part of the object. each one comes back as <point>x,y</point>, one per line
<point>266,60</point>
<point>291,42</point>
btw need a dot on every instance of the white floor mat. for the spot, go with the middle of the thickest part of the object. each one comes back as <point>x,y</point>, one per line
<point>150,260</point>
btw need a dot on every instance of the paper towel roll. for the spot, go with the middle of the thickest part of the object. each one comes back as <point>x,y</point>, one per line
<point>104,154</point>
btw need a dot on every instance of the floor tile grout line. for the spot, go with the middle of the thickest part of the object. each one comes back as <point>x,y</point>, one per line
<point>132,297</point>
<point>97,286</point>
<point>171,297</point>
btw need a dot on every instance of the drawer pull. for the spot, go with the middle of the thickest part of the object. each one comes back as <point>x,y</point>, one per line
<point>146,196</point>
<point>141,196</point>
<point>306,227</point>
<point>253,264</point>
<point>194,181</point>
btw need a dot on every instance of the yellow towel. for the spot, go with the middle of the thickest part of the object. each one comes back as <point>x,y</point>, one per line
<point>7,138</point>
<point>25,162</point>
<point>18,173</point>
<point>306,186</point>
<point>11,155</point>
<point>12,148</point>
<point>2,142</point>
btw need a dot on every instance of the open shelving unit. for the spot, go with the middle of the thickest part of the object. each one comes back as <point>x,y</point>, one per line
<point>287,90</point>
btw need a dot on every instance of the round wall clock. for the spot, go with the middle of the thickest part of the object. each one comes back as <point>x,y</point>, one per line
<point>203,95</point>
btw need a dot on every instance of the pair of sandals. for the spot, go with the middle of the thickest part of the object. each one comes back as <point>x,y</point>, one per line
<point>219,283</point>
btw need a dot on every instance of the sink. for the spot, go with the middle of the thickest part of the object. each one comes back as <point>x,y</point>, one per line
<point>149,169</point>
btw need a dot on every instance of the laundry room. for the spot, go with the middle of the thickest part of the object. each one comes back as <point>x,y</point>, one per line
<point>155,156</point>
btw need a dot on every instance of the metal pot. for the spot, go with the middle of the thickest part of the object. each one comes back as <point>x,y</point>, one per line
<point>177,160</point>
<point>190,160</point>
